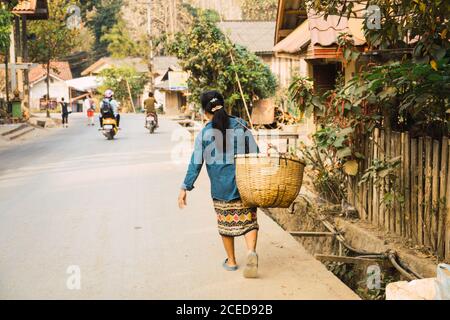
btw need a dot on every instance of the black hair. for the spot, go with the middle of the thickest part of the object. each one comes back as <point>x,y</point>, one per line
<point>150,94</point>
<point>211,103</point>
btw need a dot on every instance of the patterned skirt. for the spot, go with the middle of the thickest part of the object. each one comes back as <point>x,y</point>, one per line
<point>234,219</point>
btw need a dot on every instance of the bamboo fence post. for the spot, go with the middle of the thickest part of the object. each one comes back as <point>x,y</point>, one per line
<point>401,189</point>
<point>364,185</point>
<point>447,212</point>
<point>370,182</point>
<point>375,190</point>
<point>396,144</point>
<point>442,198</point>
<point>383,210</point>
<point>428,203</point>
<point>392,148</point>
<point>407,186</point>
<point>435,195</point>
<point>414,190</point>
<point>420,198</point>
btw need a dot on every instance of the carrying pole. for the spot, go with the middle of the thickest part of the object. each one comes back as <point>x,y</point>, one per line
<point>241,91</point>
<point>237,78</point>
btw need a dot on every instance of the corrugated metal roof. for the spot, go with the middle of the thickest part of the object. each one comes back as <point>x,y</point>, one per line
<point>256,36</point>
<point>294,42</point>
<point>318,31</point>
<point>160,63</point>
<point>325,32</point>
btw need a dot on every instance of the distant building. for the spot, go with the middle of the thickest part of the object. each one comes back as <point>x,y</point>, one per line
<point>310,40</point>
<point>59,74</point>
<point>172,89</point>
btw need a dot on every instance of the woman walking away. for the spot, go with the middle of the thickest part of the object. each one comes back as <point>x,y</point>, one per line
<point>220,140</point>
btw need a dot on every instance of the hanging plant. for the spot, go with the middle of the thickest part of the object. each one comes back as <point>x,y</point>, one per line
<point>301,95</point>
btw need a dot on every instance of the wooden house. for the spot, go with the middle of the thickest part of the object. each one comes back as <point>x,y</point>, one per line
<point>309,38</point>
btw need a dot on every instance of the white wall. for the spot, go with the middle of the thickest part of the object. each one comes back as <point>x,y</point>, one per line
<point>58,90</point>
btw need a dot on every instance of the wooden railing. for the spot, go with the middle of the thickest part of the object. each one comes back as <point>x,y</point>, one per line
<point>420,207</point>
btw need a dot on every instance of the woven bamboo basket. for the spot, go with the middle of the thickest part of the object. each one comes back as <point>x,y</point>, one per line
<point>269,181</point>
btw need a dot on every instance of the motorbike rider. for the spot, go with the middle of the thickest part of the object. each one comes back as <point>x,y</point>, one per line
<point>109,103</point>
<point>149,105</point>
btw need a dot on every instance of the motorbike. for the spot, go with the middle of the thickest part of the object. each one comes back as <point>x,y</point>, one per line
<point>150,123</point>
<point>109,128</point>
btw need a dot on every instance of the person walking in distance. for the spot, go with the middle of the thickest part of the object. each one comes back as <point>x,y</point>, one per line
<point>89,107</point>
<point>64,113</point>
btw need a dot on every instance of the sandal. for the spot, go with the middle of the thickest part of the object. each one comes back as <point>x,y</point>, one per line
<point>251,268</point>
<point>227,267</point>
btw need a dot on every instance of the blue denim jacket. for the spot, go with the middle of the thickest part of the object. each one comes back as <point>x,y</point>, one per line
<point>220,166</point>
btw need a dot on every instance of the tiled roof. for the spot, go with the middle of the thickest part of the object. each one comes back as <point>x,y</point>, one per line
<point>33,9</point>
<point>25,6</point>
<point>59,69</point>
<point>257,36</point>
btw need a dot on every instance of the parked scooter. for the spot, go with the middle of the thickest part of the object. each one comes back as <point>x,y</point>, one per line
<point>150,123</point>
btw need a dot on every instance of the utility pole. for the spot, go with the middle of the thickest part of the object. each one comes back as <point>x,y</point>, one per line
<point>150,37</point>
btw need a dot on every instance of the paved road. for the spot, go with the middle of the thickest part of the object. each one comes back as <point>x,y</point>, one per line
<point>74,202</point>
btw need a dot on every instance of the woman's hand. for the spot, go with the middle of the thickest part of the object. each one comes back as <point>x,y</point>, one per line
<point>182,199</point>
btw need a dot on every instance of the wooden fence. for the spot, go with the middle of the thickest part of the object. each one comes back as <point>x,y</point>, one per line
<point>420,210</point>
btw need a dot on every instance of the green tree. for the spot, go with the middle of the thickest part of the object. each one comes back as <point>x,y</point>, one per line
<point>51,39</point>
<point>259,9</point>
<point>205,53</point>
<point>120,44</point>
<point>119,79</point>
<point>103,17</point>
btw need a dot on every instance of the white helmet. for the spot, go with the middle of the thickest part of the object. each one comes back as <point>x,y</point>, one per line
<point>109,93</point>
